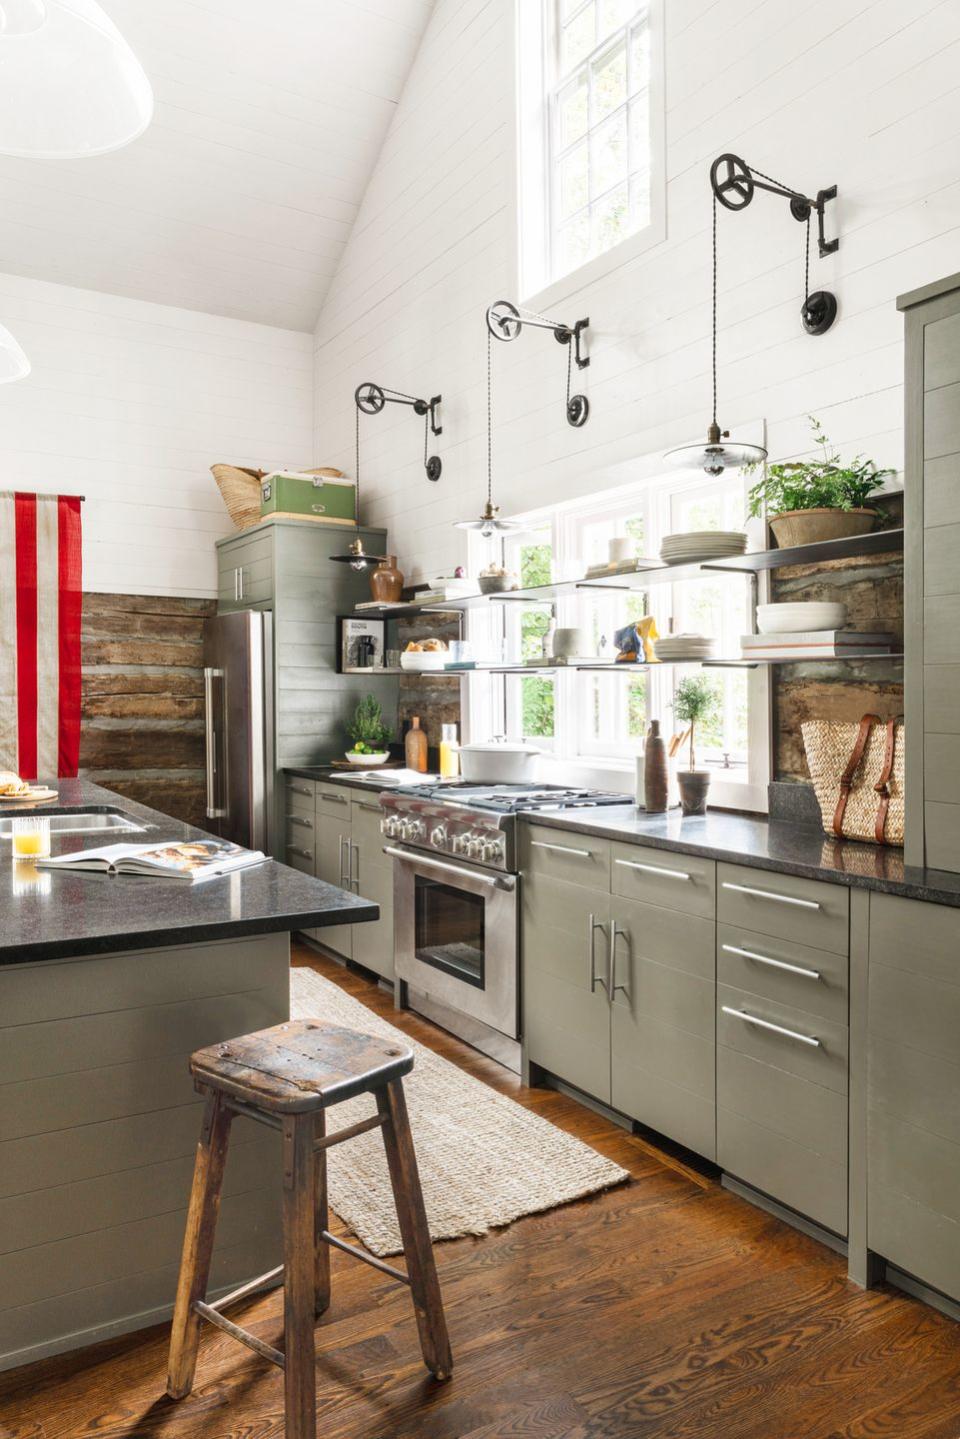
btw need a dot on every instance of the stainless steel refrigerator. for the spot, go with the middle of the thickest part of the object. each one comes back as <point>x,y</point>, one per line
<point>238,701</point>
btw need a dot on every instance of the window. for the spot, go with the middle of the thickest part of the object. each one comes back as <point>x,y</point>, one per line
<point>589,131</point>
<point>593,724</point>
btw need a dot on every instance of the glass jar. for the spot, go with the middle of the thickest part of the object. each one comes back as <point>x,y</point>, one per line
<point>449,752</point>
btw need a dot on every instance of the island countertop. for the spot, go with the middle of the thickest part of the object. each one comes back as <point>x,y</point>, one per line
<point>49,915</point>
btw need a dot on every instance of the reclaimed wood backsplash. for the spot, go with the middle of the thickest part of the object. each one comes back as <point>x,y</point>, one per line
<point>142,708</point>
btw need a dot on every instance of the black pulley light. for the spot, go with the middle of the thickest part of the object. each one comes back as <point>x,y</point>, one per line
<point>505,322</point>
<point>371,399</point>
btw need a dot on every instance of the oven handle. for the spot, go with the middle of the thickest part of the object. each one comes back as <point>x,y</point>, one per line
<point>496,881</point>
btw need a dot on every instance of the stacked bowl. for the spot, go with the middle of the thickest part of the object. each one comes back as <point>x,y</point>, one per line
<point>698,545</point>
<point>685,649</point>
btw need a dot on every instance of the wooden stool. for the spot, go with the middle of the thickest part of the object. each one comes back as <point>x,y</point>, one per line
<point>287,1077</point>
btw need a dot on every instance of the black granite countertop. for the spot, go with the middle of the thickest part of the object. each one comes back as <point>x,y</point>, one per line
<point>764,844</point>
<point>334,776</point>
<point>49,915</point>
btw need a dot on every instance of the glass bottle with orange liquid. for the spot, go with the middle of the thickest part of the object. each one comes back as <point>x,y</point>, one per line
<point>449,752</point>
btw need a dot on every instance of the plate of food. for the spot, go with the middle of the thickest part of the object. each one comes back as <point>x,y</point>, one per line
<point>422,655</point>
<point>14,790</point>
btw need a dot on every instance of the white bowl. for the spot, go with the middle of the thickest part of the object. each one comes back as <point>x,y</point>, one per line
<point>367,761</point>
<point>420,661</point>
<point>800,616</point>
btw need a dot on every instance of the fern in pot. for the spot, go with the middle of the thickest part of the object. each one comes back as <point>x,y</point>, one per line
<point>808,501</point>
<point>695,702</point>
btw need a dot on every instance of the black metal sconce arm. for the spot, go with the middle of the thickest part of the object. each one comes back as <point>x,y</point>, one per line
<point>505,321</point>
<point>370,399</point>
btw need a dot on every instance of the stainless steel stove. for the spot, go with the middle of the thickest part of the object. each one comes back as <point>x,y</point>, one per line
<point>456,901</point>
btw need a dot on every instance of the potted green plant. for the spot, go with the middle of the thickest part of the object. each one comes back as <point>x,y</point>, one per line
<point>694,702</point>
<point>370,733</point>
<point>808,501</point>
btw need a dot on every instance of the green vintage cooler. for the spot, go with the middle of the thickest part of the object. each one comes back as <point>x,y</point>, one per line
<point>308,497</point>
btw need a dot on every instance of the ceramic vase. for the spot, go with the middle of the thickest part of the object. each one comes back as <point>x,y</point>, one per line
<point>386,582</point>
<point>655,782</point>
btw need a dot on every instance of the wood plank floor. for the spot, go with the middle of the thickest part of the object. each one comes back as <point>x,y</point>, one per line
<point>666,1307</point>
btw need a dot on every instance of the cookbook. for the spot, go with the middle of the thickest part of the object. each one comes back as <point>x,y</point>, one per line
<point>190,860</point>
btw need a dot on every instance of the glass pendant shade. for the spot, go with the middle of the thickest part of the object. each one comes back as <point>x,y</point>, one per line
<point>489,522</point>
<point>14,364</point>
<point>70,86</point>
<point>716,456</point>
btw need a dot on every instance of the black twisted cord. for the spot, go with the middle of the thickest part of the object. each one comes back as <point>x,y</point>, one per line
<point>426,433</point>
<point>569,370</point>
<point>715,207</point>
<point>356,468</point>
<point>806,266</point>
<point>489,422</point>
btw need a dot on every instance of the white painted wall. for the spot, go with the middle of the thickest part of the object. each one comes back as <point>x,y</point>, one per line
<point>863,95</point>
<point>129,403</point>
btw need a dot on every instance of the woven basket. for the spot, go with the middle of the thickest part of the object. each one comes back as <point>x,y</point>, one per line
<point>240,490</point>
<point>829,745</point>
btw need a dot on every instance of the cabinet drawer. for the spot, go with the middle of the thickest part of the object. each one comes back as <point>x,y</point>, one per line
<point>334,802</point>
<point>301,828</point>
<point>657,876</point>
<point>810,1184</point>
<point>909,1009</point>
<point>803,1044</point>
<point>299,858</point>
<point>805,1113</point>
<point>301,796</point>
<point>565,855</point>
<point>664,1075</point>
<point>814,980</point>
<point>806,910</point>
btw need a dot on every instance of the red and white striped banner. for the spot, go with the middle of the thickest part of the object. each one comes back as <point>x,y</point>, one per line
<point>40,604</point>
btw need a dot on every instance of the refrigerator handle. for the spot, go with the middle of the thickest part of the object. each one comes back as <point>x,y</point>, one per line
<point>214,811</point>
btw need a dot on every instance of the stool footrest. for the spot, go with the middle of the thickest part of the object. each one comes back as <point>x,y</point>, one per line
<point>376,1121</point>
<point>251,1287</point>
<point>242,1336</point>
<point>366,1258</point>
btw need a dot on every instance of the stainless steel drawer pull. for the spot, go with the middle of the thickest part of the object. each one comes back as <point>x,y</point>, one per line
<point>301,853</point>
<point>593,924</point>
<point>361,804</point>
<point>299,819</point>
<point>774,963</point>
<point>772,894</point>
<point>560,848</point>
<point>653,869</point>
<point>767,1024</point>
<point>300,789</point>
<point>337,798</point>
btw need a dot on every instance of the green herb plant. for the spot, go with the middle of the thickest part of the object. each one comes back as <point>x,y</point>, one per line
<point>368,729</point>
<point>823,483</point>
<point>695,702</point>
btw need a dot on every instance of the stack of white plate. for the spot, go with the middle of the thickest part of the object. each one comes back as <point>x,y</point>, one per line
<point>685,649</point>
<point>696,545</point>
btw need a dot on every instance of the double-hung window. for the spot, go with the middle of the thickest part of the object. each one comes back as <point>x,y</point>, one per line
<point>590,131</point>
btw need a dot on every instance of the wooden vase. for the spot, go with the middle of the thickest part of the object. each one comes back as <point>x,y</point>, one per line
<point>655,779</point>
<point>386,582</point>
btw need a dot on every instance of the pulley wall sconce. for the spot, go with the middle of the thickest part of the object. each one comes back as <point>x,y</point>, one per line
<point>371,399</point>
<point>505,322</point>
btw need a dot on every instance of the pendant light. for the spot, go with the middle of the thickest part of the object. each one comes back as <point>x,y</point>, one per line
<point>371,399</point>
<point>14,364</point>
<point>356,556</point>
<point>70,86</point>
<point>489,522</point>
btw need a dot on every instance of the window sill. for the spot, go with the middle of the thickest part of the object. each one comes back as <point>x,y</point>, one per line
<point>600,266</point>
<point>615,775</point>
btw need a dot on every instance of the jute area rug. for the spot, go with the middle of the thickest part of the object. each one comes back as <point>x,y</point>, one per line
<point>484,1160</point>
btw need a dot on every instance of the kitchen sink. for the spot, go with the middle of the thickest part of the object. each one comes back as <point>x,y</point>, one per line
<point>80,821</point>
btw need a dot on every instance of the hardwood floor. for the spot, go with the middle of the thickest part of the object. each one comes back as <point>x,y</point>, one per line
<point>666,1307</point>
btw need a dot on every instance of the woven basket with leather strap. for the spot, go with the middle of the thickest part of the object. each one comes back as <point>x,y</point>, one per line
<point>857,773</point>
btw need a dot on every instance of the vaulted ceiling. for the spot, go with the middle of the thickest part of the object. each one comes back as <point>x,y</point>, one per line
<point>240,196</point>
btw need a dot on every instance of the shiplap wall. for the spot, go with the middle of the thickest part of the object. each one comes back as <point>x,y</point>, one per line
<point>129,403</point>
<point>861,95</point>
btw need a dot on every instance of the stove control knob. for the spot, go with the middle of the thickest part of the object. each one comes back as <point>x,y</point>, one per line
<point>475,844</point>
<point>390,827</point>
<point>492,851</point>
<point>438,836</point>
<point>459,844</point>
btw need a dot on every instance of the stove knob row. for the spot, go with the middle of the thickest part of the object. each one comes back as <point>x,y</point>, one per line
<point>438,836</point>
<point>390,827</point>
<point>412,829</point>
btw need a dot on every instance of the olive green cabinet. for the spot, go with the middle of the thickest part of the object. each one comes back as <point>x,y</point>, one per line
<point>913,1089</point>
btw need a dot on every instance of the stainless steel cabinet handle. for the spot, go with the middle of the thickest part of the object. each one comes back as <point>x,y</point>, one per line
<point>354,851</point>
<point>774,963</point>
<point>560,848</point>
<point>772,894</point>
<point>344,857</point>
<point>236,585</point>
<point>302,853</point>
<point>240,576</point>
<point>653,869</point>
<point>593,925</point>
<point>617,933</point>
<point>214,809</point>
<point>767,1024</point>
<point>496,881</point>
<point>299,819</point>
<point>300,789</point>
<point>362,804</point>
<point>337,798</point>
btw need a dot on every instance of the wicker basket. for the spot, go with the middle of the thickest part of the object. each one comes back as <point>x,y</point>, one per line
<point>240,490</point>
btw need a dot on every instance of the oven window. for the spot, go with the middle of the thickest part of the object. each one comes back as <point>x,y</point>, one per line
<point>449,930</point>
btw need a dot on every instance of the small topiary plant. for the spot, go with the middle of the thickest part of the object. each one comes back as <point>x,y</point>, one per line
<point>368,729</point>
<point>695,702</point>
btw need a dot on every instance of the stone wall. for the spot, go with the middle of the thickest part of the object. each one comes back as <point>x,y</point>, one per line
<point>142,707</point>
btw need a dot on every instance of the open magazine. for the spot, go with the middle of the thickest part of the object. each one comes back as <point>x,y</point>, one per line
<point>192,860</point>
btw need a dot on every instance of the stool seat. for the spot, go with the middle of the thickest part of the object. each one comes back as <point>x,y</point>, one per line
<point>299,1066</point>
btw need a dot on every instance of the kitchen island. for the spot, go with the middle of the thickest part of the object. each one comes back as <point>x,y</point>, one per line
<point>106,986</point>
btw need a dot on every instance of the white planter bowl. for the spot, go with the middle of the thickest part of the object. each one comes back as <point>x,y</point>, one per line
<point>367,761</point>
<point>795,618</point>
<point>420,663</point>
<point>498,763</point>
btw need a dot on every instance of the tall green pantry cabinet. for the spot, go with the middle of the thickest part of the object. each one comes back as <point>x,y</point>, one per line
<point>285,566</point>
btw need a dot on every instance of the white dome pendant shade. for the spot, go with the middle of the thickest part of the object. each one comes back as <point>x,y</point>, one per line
<point>70,86</point>
<point>14,364</point>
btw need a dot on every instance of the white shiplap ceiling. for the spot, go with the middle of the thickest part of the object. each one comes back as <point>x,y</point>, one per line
<point>239,197</point>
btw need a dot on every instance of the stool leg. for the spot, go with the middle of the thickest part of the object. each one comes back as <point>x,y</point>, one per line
<point>299,1293</point>
<point>408,1197</point>
<point>198,1244</point>
<point>321,1259</point>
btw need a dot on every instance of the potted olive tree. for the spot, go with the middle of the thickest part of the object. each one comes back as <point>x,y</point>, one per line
<point>808,501</point>
<point>695,702</point>
<point>370,733</point>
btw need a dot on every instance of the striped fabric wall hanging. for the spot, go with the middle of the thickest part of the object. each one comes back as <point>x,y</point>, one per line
<point>40,607</point>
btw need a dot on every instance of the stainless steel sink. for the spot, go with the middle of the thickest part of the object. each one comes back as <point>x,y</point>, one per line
<point>79,822</point>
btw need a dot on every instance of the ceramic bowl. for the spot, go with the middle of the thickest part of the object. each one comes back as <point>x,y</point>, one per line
<point>796,618</point>
<point>418,662</point>
<point>367,761</point>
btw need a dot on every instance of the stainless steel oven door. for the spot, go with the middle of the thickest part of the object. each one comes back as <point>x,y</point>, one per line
<point>455,936</point>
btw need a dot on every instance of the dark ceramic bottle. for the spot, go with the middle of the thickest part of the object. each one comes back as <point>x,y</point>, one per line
<point>415,746</point>
<point>655,781</point>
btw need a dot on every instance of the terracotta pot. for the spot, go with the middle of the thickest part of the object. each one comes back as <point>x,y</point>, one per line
<point>812,527</point>
<point>694,785</point>
<point>386,582</point>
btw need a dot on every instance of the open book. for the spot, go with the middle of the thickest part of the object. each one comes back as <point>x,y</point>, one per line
<point>192,860</point>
